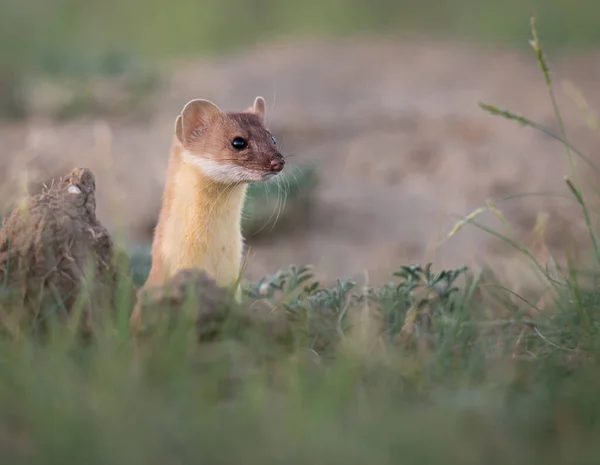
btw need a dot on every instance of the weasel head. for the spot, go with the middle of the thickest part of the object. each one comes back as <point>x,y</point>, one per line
<point>228,147</point>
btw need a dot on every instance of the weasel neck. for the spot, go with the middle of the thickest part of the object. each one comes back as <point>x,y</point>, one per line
<point>200,225</point>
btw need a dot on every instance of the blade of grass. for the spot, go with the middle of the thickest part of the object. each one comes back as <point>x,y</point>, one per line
<point>539,52</point>
<point>509,115</point>
<point>590,116</point>
<point>515,244</point>
<point>586,215</point>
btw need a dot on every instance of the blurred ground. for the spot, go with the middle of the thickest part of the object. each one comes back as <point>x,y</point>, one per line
<point>393,127</point>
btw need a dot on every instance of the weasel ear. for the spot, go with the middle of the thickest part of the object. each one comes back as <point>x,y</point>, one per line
<point>258,107</point>
<point>195,117</point>
<point>179,128</point>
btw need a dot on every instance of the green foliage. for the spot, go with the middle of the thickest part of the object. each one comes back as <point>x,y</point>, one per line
<point>41,40</point>
<point>140,259</point>
<point>446,391</point>
<point>65,50</point>
<point>62,87</point>
<point>156,29</point>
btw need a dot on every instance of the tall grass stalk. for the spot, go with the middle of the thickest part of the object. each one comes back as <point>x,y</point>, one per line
<point>574,186</point>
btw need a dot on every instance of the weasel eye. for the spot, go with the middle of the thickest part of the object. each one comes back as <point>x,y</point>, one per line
<point>239,143</point>
<point>274,140</point>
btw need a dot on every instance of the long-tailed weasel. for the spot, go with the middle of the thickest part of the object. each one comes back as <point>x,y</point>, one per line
<point>213,157</point>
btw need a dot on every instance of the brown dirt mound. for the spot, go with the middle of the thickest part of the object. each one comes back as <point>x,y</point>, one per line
<point>211,309</point>
<point>55,256</point>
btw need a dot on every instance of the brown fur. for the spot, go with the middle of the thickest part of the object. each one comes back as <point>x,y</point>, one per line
<point>199,225</point>
<point>204,128</point>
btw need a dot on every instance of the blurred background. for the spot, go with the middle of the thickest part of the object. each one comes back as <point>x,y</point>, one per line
<point>374,101</point>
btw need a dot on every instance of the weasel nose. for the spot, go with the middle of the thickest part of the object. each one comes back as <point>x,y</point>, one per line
<point>277,165</point>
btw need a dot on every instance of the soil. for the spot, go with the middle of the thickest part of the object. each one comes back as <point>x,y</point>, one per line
<point>192,294</point>
<point>401,146</point>
<point>55,255</point>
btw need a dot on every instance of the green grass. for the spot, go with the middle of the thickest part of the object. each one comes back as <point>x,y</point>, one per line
<point>69,44</point>
<point>434,366</point>
<point>63,36</point>
<point>185,26</point>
